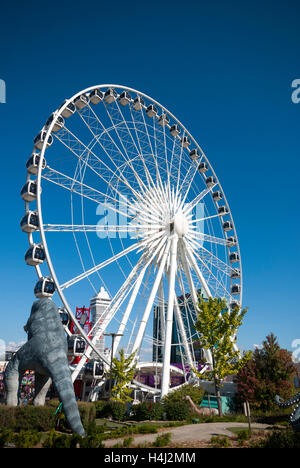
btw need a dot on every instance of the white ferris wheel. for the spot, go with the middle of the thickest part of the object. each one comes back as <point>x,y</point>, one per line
<point>120,195</point>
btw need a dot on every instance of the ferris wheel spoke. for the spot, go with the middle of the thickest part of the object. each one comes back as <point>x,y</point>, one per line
<point>201,236</point>
<point>152,152</point>
<point>219,285</point>
<point>95,164</point>
<point>116,148</point>
<point>215,261</point>
<point>130,228</point>
<point>127,137</point>
<point>118,299</point>
<point>191,205</point>
<point>101,265</point>
<point>85,191</point>
<point>149,178</point>
<point>196,268</point>
<point>188,320</point>
<point>192,289</point>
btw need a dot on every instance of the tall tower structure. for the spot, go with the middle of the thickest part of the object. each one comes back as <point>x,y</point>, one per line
<point>99,305</point>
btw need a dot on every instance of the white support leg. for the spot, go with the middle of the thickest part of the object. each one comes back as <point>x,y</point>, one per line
<point>145,318</point>
<point>169,320</point>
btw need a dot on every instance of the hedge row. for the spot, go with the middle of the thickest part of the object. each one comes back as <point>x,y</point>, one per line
<point>41,418</point>
<point>146,411</point>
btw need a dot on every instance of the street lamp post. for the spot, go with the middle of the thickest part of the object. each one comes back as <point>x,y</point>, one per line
<point>113,336</point>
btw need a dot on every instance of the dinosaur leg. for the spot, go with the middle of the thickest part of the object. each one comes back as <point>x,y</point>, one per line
<point>42,384</point>
<point>12,379</point>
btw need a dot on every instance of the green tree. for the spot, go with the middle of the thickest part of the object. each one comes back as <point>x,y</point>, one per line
<point>122,373</point>
<point>269,373</point>
<point>217,327</point>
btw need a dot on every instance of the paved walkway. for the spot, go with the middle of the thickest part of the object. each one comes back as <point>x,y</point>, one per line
<point>188,433</point>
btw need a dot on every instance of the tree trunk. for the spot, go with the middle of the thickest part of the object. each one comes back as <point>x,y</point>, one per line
<point>217,387</point>
<point>218,394</point>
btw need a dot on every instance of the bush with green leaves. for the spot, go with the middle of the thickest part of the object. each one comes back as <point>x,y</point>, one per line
<point>162,440</point>
<point>243,435</point>
<point>220,441</point>
<point>177,396</point>
<point>27,439</point>
<point>6,436</point>
<point>146,411</point>
<point>177,411</point>
<point>284,438</point>
<point>57,440</point>
<point>111,409</point>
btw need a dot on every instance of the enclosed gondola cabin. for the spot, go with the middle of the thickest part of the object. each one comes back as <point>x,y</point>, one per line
<point>76,345</point>
<point>59,122</point>
<point>175,130</point>
<point>40,139</point>
<point>30,222</point>
<point>151,110</point>
<point>235,289</point>
<point>64,316</point>
<point>35,255</point>
<point>138,103</point>
<point>234,257</point>
<point>217,196</point>
<point>32,164</point>
<point>185,141</point>
<point>96,96</point>
<point>235,273</point>
<point>235,305</point>
<point>110,95</point>
<point>94,369</point>
<point>194,154</point>
<point>203,167</point>
<point>29,191</point>
<point>227,226</point>
<point>210,181</point>
<point>231,241</point>
<point>124,98</point>
<point>81,101</point>
<point>45,287</point>
<point>223,210</point>
<point>163,120</point>
<point>69,110</point>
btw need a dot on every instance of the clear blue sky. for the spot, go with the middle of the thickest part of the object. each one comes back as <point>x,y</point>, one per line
<point>223,68</point>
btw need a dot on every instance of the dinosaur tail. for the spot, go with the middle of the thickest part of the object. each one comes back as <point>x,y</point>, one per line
<point>291,401</point>
<point>62,381</point>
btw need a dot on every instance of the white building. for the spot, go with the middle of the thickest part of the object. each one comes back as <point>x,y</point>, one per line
<point>99,305</point>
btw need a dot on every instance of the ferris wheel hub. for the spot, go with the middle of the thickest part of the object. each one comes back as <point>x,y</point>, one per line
<point>180,224</point>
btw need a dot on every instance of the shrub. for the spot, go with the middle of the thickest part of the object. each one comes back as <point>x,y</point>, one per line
<point>7,417</point>
<point>147,411</point>
<point>285,438</point>
<point>6,436</point>
<point>220,442</point>
<point>127,442</point>
<point>27,439</point>
<point>110,409</point>
<point>177,396</point>
<point>162,440</point>
<point>177,412</point>
<point>100,407</point>
<point>146,429</point>
<point>242,436</point>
